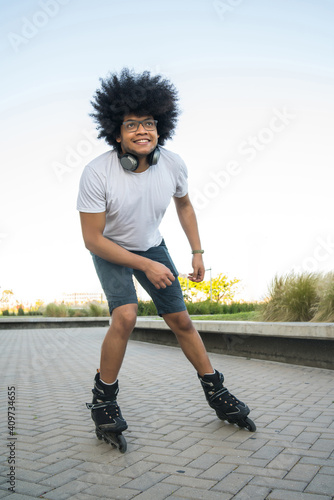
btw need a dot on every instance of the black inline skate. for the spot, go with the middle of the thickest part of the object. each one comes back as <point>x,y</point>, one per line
<point>226,406</point>
<point>109,423</point>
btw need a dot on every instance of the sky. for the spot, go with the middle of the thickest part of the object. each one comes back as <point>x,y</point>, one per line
<point>255,81</point>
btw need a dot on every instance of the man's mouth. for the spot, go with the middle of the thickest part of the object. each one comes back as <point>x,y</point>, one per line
<point>142,141</point>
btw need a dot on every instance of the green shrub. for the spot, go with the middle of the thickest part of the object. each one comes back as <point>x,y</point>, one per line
<point>209,307</point>
<point>55,310</point>
<point>76,312</point>
<point>292,298</point>
<point>240,316</point>
<point>96,310</point>
<point>5,312</point>
<point>146,308</point>
<point>201,307</point>
<point>20,311</point>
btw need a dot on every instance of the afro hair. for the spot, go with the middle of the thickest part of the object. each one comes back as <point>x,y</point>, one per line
<point>140,94</point>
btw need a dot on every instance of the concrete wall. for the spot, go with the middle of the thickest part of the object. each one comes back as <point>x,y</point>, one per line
<point>308,344</point>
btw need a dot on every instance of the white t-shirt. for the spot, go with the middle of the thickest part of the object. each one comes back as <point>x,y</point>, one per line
<point>135,203</point>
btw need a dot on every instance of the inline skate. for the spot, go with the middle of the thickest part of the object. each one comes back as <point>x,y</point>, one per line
<point>226,406</point>
<point>106,414</point>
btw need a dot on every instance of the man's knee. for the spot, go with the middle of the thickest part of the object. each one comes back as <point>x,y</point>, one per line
<point>179,322</point>
<point>124,317</point>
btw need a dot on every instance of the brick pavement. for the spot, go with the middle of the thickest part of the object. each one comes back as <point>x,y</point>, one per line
<point>177,448</point>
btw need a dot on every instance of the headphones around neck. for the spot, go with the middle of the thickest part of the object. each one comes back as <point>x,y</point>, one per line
<point>130,162</point>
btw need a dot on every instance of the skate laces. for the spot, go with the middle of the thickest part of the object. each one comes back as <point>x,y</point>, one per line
<point>219,392</point>
<point>110,409</point>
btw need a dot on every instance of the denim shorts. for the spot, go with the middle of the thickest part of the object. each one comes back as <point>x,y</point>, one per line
<point>118,286</point>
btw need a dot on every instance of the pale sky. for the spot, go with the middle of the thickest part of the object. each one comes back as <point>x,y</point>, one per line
<point>255,80</point>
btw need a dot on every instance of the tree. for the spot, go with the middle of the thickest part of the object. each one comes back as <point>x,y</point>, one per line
<point>188,290</point>
<point>7,297</point>
<point>220,288</point>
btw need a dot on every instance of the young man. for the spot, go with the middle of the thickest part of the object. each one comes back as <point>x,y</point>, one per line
<point>123,196</point>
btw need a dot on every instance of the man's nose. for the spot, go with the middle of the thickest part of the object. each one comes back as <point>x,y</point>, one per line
<point>141,129</point>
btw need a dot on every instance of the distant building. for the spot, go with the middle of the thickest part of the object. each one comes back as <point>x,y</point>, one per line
<point>83,297</point>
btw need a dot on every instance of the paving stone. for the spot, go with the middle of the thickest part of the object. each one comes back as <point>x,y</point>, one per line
<point>307,437</point>
<point>218,471</point>
<point>226,451</point>
<point>62,478</point>
<point>177,448</point>
<point>303,472</point>
<point>198,494</point>
<point>80,496</point>
<point>129,458</point>
<point>323,445</point>
<point>105,492</point>
<point>32,489</point>
<point>233,483</point>
<point>272,482</point>
<point>136,469</point>
<point>293,430</point>
<point>267,452</point>
<point>184,443</point>
<point>60,466</point>
<point>205,461</point>
<point>322,483</point>
<point>253,444</point>
<point>106,468</point>
<point>30,475</point>
<point>66,491</point>
<point>327,470</point>
<point>165,459</point>
<point>158,492</point>
<point>292,495</point>
<point>159,449</point>
<point>16,496</point>
<point>250,492</point>
<point>260,471</point>
<point>54,457</point>
<point>145,481</point>
<point>192,482</point>
<point>194,451</point>
<point>172,469</point>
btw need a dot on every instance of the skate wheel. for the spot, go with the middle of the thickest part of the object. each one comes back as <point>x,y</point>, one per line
<point>115,440</point>
<point>122,444</point>
<point>99,435</point>
<point>250,425</point>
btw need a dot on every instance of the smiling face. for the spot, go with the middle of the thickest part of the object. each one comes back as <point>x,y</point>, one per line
<point>140,142</point>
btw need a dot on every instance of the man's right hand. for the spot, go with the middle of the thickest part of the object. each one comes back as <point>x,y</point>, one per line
<point>92,230</point>
<point>159,275</point>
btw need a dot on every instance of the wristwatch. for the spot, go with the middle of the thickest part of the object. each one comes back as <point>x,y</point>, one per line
<point>197,251</point>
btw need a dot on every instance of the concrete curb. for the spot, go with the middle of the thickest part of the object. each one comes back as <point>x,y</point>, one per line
<point>287,330</point>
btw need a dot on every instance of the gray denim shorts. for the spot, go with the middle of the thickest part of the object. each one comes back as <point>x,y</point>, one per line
<point>118,286</point>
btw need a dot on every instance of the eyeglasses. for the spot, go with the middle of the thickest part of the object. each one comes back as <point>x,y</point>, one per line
<point>133,125</point>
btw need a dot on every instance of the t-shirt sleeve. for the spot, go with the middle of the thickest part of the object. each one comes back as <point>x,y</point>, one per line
<point>92,195</point>
<point>182,181</point>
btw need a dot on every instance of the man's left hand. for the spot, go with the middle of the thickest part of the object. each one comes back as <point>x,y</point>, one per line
<point>198,268</point>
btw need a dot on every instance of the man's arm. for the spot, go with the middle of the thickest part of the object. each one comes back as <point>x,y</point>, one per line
<point>92,231</point>
<point>187,217</point>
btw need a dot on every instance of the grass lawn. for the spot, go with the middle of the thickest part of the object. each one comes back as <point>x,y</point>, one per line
<point>241,316</point>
